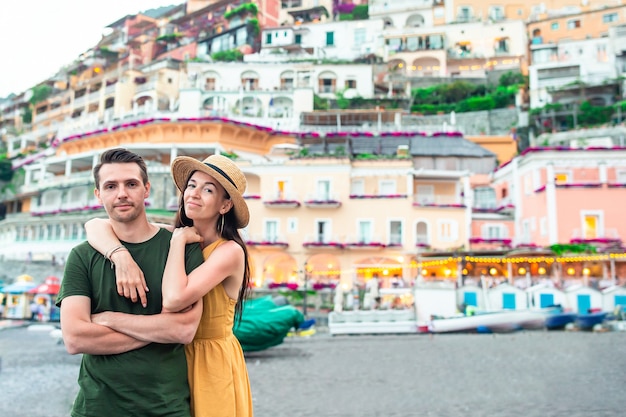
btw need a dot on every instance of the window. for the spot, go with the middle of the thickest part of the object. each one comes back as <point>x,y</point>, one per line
<point>394,44</point>
<point>496,12</point>
<point>359,36</point>
<point>322,229</point>
<point>591,225</point>
<point>323,190</point>
<point>387,187</point>
<point>421,233</point>
<point>448,230</point>
<point>484,197</point>
<point>554,26</point>
<point>298,39</point>
<point>271,231</point>
<point>75,232</point>
<point>283,189</point>
<point>610,18</point>
<point>365,231</point>
<point>209,84</point>
<point>494,231</point>
<point>464,14</point>
<point>286,84</point>
<point>327,85</point>
<point>395,232</point>
<point>561,178</point>
<point>573,24</point>
<point>558,72</point>
<point>292,225</point>
<point>357,187</point>
<point>268,38</point>
<point>502,45</point>
<point>601,53</point>
<point>330,38</point>
<point>350,84</point>
<point>425,194</point>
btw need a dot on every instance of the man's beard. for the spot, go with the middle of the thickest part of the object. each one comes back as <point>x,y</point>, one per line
<point>127,216</point>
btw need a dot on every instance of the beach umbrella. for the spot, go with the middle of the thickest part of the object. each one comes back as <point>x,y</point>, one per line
<point>51,286</point>
<point>24,278</point>
<point>19,287</point>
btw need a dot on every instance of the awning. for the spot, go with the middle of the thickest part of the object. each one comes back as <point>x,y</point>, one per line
<point>51,286</point>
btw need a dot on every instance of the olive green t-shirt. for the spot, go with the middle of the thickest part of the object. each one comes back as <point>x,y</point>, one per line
<point>150,381</point>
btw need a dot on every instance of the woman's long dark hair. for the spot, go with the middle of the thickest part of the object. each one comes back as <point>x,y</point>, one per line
<point>228,232</point>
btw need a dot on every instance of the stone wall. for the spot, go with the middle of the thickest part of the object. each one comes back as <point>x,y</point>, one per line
<point>488,122</point>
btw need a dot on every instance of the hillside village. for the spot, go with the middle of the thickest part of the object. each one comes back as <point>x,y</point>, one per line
<point>421,139</point>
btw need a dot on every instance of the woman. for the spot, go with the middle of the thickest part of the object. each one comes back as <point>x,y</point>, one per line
<point>212,209</point>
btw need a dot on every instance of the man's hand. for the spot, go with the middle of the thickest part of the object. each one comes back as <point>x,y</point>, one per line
<point>129,278</point>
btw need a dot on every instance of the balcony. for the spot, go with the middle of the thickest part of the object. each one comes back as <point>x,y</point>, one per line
<point>437,201</point>
<point>607,237</point>
<point>504,206</point>
<point>365,243</point>
<point>322,201</point>
<point>322,242</point>
<point>399,6</point>
<point>267,241</point>
<point>491,241</point>
<point>282,200</point>
<point>376,196</point>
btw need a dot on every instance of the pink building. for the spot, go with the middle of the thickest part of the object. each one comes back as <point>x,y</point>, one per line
<point>565,195</point>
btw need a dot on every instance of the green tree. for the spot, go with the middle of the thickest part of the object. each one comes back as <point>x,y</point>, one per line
<point>511,78</point>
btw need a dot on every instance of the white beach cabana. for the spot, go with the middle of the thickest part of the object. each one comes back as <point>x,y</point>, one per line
<point>506,297</point>
<point>581,298</point>
<point>612,297</point>
<point>543,295</point>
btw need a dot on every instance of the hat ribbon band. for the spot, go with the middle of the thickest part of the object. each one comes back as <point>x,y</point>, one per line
<point>222,173</point>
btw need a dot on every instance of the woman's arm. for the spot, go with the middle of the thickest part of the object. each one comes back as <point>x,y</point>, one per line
<point>129,278</point>
<point>179,289</point>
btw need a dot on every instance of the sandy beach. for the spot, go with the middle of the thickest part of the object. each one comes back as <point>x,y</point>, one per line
<point>533,373</point>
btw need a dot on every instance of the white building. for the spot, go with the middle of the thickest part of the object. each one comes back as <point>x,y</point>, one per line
<point>557,65</point>
<point>345,40</point>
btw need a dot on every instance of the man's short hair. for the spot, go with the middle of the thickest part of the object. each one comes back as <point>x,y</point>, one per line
<point>120,156</point>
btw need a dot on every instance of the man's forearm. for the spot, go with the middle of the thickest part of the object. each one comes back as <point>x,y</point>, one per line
<point>95,339</point>
<point>157,328</point>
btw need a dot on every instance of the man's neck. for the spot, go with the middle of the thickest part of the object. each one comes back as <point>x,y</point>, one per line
<point>135,232</point>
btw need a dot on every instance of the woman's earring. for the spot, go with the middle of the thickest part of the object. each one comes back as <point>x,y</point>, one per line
<point>222,227</point>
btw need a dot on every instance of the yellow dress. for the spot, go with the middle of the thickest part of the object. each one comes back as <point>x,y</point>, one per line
<point>218,377</point>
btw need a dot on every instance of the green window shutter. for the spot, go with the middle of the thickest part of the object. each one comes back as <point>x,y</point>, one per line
<point>330,38</point>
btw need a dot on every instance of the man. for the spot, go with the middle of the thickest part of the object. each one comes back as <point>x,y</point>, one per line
<point>141,372</point>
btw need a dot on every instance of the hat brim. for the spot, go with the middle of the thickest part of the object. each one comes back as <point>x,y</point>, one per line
<point>182,168</point>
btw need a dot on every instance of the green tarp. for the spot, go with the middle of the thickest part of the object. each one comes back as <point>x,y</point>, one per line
<point>265,324</point>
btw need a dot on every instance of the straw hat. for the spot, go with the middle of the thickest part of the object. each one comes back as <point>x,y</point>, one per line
<point>225,171</point>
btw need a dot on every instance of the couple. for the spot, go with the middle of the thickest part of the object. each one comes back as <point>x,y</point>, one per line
<point>134,361</point>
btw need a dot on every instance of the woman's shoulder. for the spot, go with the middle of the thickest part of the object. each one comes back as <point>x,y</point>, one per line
<point>227,248</point>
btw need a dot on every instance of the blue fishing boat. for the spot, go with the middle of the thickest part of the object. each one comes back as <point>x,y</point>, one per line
<point>559,319</point>
<point>589,320</point>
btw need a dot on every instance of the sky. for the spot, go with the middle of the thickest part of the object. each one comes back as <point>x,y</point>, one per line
<point>38,37</point>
